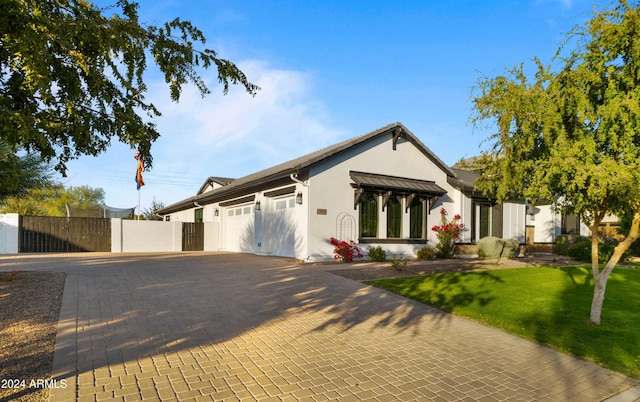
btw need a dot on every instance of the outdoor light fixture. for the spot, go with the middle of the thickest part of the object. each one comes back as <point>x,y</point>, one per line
<point>216,212</point>
<point>299,198</point>
<point>257,205</point>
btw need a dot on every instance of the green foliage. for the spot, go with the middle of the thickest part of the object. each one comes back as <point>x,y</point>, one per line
<point>149,214</point>
<point>20,173</point>
<point>377,254</point>
<point>72,76</point>
<point>51,200</point>
<point>563,242</point>
<point>571,132</point>
<point>426,253</point>
<point>494,247</point>
<point>546,305</point>
<point>582,252</point>
<point>398,262</point>
<point>571,135</point>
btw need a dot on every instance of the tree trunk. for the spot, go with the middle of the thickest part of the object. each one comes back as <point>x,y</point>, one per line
<point>600,278</point>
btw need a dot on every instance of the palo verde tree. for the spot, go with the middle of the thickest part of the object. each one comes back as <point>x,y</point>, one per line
<point>71,76</point>
<point>571,133</point>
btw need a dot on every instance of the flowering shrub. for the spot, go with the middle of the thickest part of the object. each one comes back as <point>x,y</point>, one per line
<point>345,251</point>
<point>447,233</point>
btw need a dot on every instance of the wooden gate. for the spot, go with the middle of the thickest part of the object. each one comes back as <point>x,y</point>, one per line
<point>192,236</point>
<point>61,234</point>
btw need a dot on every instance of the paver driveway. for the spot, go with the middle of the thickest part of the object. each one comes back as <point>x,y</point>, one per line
<point>231,326</point>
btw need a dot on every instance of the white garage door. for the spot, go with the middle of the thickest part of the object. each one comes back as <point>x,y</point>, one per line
<point>282,227</point>
<point>239,229</point>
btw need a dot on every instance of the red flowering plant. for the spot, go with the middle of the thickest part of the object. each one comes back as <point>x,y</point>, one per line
<point>345,251</point>
<point>447,233</point>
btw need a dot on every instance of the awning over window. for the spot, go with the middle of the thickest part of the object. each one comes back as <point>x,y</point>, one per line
<point>399,184</point>
<point>388,185</point>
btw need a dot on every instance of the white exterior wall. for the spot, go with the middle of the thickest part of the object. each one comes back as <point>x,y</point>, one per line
<point>513,221</point>
<point>9,233</point>
<point>145,236</point>
<point>211,236</point>
<point>186,215</point>
<point>547,224</point>
<point>330,189</point>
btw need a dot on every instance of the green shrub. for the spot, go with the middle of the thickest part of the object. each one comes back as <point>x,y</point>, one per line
<point>582,252</point>
<point>398,262</point>
<point>426,253</point>
<point>377,254</point>
<point>563,242</point>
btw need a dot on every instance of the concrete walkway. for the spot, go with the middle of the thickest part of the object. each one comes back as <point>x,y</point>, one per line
<point>238,327</point>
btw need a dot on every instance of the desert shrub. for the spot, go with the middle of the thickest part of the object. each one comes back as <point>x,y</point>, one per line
<point>377,254</point>
<point>582,252</point>
<point>495,247</point>
<point>426,253</point>
<point>510,249</point>
<point>490,247</point>
<point>398,262</point>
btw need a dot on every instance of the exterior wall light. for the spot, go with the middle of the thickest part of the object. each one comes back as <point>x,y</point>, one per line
<point>299,198</point>
<point>216,212</point>
<point>257,205</point>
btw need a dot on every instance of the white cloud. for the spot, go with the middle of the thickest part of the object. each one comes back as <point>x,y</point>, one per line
<point>232,135</point>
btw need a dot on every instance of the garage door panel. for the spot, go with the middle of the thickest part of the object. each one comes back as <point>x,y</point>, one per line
<point>239,229</point>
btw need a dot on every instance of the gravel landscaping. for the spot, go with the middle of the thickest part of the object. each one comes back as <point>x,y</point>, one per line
<point>29,311</point>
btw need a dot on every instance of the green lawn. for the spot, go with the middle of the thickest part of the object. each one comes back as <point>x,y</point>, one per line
<point>548,305</point>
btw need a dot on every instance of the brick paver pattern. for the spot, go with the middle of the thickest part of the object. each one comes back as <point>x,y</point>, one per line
<point>238,327</point>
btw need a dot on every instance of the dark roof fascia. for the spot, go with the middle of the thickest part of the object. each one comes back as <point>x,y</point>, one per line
<point>260,180</point>
<point>223,181</point>
<point>227,192</point>
<point>178,206</point>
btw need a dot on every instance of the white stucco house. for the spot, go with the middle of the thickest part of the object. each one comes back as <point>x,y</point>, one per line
<point>382,188</point>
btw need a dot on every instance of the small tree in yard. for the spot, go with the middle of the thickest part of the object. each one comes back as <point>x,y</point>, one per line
<point>573,135</point>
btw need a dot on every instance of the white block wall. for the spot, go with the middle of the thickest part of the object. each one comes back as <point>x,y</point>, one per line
<point>9,233</point>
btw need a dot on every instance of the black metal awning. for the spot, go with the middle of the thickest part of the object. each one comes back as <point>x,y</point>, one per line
<point>400,184</point>
<point>383,183</point>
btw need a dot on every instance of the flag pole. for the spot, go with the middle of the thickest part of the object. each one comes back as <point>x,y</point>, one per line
<point>139,180</point>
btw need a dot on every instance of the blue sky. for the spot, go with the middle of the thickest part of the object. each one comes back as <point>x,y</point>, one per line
<point>329,70</point>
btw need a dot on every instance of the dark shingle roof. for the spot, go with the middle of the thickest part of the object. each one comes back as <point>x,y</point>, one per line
<point>293,166</point>
<point>223,181</point>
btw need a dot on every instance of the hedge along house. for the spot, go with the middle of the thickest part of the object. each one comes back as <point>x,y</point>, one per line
<point>384,188</point>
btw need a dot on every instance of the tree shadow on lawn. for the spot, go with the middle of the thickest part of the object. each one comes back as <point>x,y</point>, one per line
<point>436,289</point>
<point>614,343</point>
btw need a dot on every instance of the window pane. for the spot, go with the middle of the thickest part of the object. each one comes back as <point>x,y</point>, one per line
<point>369,215</point>
<point>416,220</point>
<point>197,215</point>
<point>484,221</point>
<point>394,218</point>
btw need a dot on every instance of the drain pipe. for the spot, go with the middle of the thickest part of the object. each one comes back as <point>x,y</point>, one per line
<point>294,177</point>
